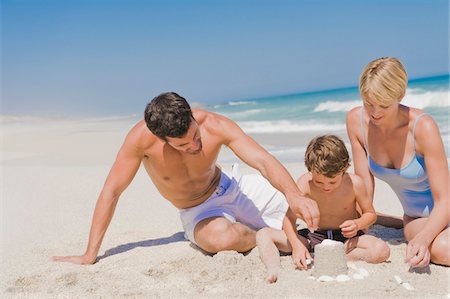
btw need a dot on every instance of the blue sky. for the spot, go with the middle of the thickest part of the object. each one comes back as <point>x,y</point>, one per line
<point>89,58</point>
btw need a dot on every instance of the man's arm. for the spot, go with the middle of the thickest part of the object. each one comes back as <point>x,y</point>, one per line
<point>249,151</point>
<point>120,176</point>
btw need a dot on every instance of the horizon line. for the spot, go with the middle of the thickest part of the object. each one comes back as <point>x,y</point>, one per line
<point>327,90</point>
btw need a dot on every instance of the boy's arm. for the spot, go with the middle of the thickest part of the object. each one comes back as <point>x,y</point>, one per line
<point>299,252</point>
<point>368,216</point>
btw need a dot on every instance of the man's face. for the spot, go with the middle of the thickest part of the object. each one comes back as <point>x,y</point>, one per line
<point>191,143</point>
<point>326,184</point>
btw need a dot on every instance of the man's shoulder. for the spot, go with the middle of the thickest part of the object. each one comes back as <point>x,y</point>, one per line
<point>205,116</point>
<point>140,136</point>
<point>139,128</point>
<point>212,122</point>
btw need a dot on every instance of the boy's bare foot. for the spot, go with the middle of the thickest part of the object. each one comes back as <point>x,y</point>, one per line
<point>271,278</point>
<point>272,275</point>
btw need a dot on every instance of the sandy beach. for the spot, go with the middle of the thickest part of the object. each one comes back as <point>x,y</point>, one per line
<point>51,174</point>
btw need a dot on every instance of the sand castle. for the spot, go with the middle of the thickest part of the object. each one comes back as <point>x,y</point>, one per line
<point>329,259</point>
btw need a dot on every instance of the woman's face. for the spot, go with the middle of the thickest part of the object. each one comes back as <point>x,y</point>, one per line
<point>380,114</point>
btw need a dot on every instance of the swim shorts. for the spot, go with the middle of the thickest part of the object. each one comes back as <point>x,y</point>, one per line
<point>318,236</point>
<point>248,199</point>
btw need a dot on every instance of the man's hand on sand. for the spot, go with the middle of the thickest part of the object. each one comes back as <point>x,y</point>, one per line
<point>75,259</point>
<point>307,210</point>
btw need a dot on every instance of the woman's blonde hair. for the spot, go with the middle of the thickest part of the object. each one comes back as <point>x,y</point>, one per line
<point>327,155</point>
<point>384,81</point>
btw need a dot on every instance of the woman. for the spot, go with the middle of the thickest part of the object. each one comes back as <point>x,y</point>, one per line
<point>402,146</point>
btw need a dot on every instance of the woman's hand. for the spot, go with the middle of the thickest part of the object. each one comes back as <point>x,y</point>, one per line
<point>417,253</point>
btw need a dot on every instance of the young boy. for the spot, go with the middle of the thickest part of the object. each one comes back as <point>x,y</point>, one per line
<point>337,194</point>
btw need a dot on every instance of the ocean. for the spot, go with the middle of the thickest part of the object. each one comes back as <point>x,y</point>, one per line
<point>324,112</point>
<point>283,124</point>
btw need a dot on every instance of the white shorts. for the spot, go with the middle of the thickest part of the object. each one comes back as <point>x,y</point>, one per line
<point>249,199</point>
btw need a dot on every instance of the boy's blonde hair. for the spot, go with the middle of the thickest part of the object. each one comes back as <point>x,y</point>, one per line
<point>384,81</point>
<point>327,155</point>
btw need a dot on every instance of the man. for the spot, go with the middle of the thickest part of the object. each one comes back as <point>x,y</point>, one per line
<point>179,148</point>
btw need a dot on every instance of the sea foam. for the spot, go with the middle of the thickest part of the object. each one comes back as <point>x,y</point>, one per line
<point>334,106</point>
<point>424,99</point>
<point>285,126</point>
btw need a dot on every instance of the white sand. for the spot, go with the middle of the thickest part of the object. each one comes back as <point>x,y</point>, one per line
<point>51,174</point>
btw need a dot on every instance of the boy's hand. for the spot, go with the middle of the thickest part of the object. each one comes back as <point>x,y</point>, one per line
<point>349,228</point>
<point>299,256</point>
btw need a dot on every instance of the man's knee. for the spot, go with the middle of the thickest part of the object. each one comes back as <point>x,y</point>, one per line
<point>217,236</point>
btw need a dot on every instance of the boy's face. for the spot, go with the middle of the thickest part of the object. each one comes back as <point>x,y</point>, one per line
<point>326,184</point>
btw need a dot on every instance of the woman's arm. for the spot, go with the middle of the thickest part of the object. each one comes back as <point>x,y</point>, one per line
<point>429,144</point>
<point>360,164</point>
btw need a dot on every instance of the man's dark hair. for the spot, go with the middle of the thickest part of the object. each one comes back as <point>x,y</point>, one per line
<point>168,115</point>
